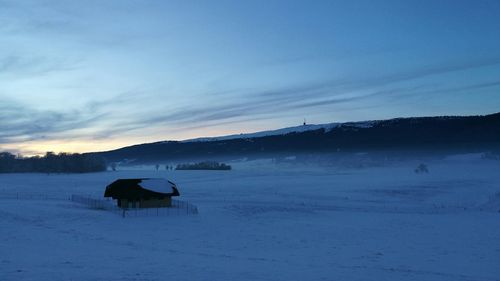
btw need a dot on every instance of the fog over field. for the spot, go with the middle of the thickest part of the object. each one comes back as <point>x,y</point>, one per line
<point>264,220</point>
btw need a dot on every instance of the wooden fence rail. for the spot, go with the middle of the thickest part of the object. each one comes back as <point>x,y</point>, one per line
<point>178,207</point>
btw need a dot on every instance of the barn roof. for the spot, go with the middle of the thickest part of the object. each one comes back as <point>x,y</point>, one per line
<point>143,188</point>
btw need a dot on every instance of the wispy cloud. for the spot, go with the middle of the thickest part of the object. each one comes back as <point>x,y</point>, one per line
<point>323,94</point>
<point>20,123</point>
<point>116,115</point>
<point>274,107</point>
<point>19,66</point>
<point>432,70</point>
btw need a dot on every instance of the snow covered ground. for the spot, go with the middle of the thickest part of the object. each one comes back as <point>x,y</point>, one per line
<point>263,221</point>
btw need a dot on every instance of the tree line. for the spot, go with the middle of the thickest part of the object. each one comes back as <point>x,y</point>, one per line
<point>51,163</point>
<point>207,165</point>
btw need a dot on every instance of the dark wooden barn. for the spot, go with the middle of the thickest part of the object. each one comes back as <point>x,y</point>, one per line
<point>142,193</point>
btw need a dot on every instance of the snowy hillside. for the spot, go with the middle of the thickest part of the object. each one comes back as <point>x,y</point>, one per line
<point>283,131</point>
<point>297,129</point>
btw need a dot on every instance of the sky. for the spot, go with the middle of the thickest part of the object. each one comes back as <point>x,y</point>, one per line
<point>79,76</point>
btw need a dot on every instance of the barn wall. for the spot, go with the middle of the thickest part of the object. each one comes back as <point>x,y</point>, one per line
<point>155,203</point>
<point>151,203</point>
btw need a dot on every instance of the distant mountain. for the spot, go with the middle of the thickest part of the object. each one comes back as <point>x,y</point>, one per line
<point>297,129</point>
<point>469,133</point>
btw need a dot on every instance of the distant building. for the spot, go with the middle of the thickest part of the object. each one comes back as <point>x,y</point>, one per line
<point>142,193</point>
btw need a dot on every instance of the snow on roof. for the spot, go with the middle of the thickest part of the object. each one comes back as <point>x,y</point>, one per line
<point>158,185</point>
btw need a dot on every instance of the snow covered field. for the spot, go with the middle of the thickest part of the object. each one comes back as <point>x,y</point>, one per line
<point>262,221</point>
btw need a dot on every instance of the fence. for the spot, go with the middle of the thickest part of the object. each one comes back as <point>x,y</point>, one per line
<point>95,203</point>
<point>32,196</point>
<point>178,207</point>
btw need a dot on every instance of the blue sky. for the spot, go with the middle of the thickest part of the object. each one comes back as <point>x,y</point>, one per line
<point>94,75</point>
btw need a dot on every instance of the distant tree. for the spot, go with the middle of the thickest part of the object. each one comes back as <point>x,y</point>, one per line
<point>113,166</point>
<point>51,163</point>
<point>7,162</point>
<point>207,165</point>
<point>422,169</point>
<point>491,155</point>
<point>157,166</point>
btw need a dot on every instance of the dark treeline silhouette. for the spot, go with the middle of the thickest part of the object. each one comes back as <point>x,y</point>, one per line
<point>207,165</point>
<point>51,163</point>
